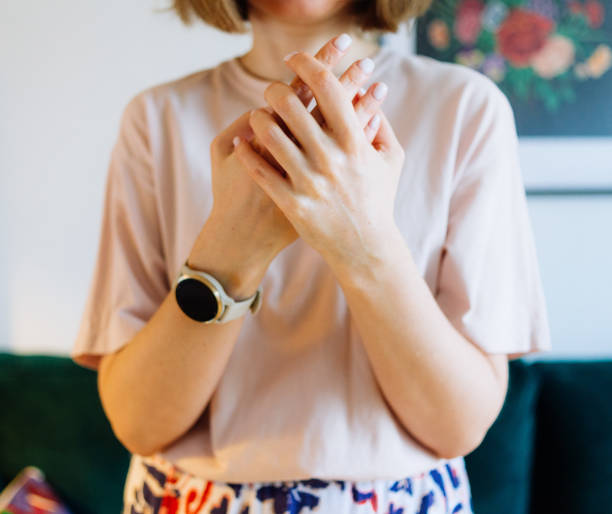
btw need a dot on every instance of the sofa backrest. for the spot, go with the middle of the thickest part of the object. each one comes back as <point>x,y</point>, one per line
<point>550,449</point>
<point>53,419</point>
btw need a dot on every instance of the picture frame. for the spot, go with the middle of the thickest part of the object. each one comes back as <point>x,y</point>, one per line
<point>562,151</point>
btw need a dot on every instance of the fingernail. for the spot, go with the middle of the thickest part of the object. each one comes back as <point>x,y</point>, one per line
<point>236,141</point>
<point>380,91</point>
<point>367,65</point>
<point>375,121</point>
<point>362,91</point>
<point>342,42</point>
<point>289,56</point>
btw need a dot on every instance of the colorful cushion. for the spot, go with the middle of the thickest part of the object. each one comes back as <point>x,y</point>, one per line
<point>53,419</point>
<point>29,493</point>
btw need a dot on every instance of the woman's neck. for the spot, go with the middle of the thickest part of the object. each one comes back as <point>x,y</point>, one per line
<point>273,39</point>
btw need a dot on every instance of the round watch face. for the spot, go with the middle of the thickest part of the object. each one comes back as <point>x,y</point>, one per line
<point>196,299</point>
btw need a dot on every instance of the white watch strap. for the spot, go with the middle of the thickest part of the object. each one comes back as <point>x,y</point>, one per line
<point>232,309</point>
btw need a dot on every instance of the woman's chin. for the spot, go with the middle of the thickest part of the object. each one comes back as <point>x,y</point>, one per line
<point>302,11</point>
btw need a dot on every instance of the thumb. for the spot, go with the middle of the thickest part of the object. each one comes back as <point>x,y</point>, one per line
<point>385,140</point>
<point>239,127</point>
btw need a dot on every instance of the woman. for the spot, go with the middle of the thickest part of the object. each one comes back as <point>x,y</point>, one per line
<point>392,246</point>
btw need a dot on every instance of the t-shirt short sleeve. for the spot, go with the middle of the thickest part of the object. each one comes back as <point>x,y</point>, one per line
<point>489,283</point>
<point>129,278</point>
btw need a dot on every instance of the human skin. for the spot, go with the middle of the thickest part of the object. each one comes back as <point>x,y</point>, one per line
<point>158,385</point>
<point>155,387</point>
<point>338,192</point>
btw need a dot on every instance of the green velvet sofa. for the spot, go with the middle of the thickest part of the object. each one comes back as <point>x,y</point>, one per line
<point>549,451</point>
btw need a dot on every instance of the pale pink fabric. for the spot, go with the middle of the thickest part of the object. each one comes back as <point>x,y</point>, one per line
<point>298,398</point>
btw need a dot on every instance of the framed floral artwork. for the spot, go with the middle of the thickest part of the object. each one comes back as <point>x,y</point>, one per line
<point>552,58</point>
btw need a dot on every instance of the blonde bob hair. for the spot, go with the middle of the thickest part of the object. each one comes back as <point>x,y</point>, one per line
<point>232,15</point>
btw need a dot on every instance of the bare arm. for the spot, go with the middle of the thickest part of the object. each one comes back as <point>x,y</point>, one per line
<point>445,390</point>
<point>156,387</point>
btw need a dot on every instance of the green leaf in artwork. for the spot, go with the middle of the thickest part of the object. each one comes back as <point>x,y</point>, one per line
<point>551,103</point>
<point>548,94</point>
<point>520,80</point>
<point>522,90</point>
<point>567,93</point>
<point>486,42</point>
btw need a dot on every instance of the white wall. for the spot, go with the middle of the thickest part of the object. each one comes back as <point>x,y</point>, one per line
<point>67,68</point>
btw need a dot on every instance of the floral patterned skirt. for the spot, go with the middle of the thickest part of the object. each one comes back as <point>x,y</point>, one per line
<point>154,485</point>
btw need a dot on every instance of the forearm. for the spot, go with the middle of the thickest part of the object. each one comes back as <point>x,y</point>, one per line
<point>441,386</point>
<point>157,386</point>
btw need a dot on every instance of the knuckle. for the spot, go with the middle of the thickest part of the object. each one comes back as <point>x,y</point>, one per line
<point>322,78</point>
<point>328,56</point>
<point>354,76</point>
<point>319,185</point>
<point>299,206</point>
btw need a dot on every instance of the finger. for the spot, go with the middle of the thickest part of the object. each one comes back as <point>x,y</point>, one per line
<point>222,145</point>
<point>282,148</point>
<point>328,55</point>
<point>296,118</point>
<point>371,128</point>
<point>254,162</point>
<point>265,176</point>
<point>370,102</point>
<point>258,147</point>
<point>352,79</point>
<point>335,105</point>
<point>385,140</point>
<point>358,96</point>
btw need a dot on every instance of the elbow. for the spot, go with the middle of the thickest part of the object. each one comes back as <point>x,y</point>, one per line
<point>137,444</point>
<point>124,428</point>
<point>471,434</point>
<point>474,427</point>
<point>131,437</point>
<point>460,445</point>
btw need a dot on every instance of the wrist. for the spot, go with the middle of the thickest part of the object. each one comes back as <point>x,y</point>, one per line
<point>238,282</point>
<point>239,269</point>
<point>363,267</point>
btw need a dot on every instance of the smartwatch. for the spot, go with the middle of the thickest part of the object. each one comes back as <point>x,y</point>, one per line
<point>201,297</point>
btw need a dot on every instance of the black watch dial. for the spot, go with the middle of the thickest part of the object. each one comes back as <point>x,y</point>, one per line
<point>196,299</point>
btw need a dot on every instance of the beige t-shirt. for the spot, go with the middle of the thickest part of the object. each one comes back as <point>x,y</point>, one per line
<point>298,398</point>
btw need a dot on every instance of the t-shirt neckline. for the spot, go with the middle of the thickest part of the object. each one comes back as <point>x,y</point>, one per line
<point>254,87</point>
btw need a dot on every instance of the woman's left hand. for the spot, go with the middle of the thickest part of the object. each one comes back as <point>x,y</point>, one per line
<point>340,189</point>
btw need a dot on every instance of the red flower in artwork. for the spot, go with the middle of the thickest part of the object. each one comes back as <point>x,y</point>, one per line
<point>594,11</point>
<point>574,7</point>
<point>468,21</point>
<point>521,35</point>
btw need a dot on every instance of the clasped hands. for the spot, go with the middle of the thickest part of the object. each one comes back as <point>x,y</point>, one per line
<point>333,172</point>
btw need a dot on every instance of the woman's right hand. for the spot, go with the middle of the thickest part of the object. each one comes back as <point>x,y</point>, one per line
<point>245,229</point>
